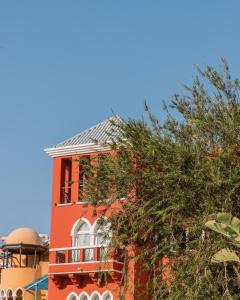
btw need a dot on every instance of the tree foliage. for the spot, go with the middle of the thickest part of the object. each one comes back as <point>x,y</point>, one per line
<point>175,174</point>
<point>229,227</point>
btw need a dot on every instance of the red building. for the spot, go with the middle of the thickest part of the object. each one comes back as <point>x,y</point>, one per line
<point>77,244</point>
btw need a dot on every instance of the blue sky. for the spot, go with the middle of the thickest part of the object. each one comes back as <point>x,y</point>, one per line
<point>65,65</point>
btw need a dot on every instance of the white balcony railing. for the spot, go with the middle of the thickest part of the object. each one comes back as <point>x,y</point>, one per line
<point>80,254</point>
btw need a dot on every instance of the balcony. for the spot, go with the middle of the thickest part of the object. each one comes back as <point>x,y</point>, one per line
<point>84,260</point>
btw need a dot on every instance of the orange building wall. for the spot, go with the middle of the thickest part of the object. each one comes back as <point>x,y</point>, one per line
<point>63,217</point>
<point>15,278</point>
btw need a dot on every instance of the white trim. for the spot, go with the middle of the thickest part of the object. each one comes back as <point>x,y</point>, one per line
<point>77,223</point>
<point>76,149</point>
<point>75,248</point>
<point>95,293</point>
<point>90,297</point>
<point>96,223</point>
<point>105,228</point>
<point>83,294</point>
<point>17,289</point>
<point>85,272</point>
<point>88,262</point>
<point>65,204</point>
<point>8,290</point>
<point>72,294</point>
<point>3,294</point>
<point>107,293</point>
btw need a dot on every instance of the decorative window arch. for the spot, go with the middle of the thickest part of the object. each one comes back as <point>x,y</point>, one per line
<point>82,234</point>
<point>102,233</point>
<point>95,296</point>
<point>81,237</point>
<point>9,294</point>
<point>102,237</point>
<point>3,295</point>
<point>83,296</point>
<point>76,225</point>
<point>86,235</point>
<point>107,296</point>
<point>72,296</point>
<point>19,294</point>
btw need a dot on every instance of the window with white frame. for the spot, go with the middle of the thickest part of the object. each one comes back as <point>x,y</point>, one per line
<point>107,296</point>
<point>102,237</point>
<point>82,238</point>
<point>19,294</point>
<point>86,237</point>
<point>84,296</point>
<point>9,294</point>
<point>2,295</point>
<point>95,296</point>
<point>72,296</point>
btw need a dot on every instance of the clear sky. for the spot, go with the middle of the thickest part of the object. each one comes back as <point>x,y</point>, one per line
<point>64,65</point>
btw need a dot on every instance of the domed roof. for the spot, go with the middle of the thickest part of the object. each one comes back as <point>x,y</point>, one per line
<point>23,236</point>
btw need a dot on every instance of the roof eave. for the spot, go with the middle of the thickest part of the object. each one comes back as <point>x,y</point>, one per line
<point>77,149</point>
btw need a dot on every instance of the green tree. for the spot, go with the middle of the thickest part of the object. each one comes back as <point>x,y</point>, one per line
<point>175,174</point>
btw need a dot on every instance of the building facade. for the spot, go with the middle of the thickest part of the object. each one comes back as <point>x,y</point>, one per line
<point>77,246</point>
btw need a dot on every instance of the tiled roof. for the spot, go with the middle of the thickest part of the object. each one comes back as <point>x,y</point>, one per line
<point>98,132</point>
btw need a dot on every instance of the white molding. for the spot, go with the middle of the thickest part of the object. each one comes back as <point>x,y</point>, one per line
<point>72,294</point>
<point>75,248</point>
<point>107,293</point>
<point>95,293</point>
<point>76,149</point>
<point>17,289</point>
<point>3,293</point>
<point>84,220</point>
<point>65,204</point>
<point>96,224</point>
<point>85,272</point>
<point>7,292</point>
<point>83,294</point>
<point>88,262</point>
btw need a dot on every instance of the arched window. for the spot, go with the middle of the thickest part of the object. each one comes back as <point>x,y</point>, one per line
<point>82,234</point>
<point>86,236</point>
<point>107,296</point>
<point>95,296</point>
<point>72,296</point>
<point>102,237</point>
<point>19,295</point>
<point>3,295</point>
<point>84,296</point>
<point>82,238</point>
<point>9,295</point>
<point>102,234</point>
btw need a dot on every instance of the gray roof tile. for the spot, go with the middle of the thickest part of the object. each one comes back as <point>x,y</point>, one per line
<point>98,132</point>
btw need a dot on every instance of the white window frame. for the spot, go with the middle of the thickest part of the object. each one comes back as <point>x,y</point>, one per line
<point>72,294</point>
<point>92,232</point>
<point>74,234</point>
<point>19,289</point>
<point>95,293</point>
<point>106,293</point>
<point>82,295</point>
<point>97,230</point>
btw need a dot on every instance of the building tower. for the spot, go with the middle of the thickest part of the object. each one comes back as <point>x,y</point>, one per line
<point>76,243</point>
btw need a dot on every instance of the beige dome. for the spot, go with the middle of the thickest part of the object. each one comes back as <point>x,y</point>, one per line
<point>23,236</point>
